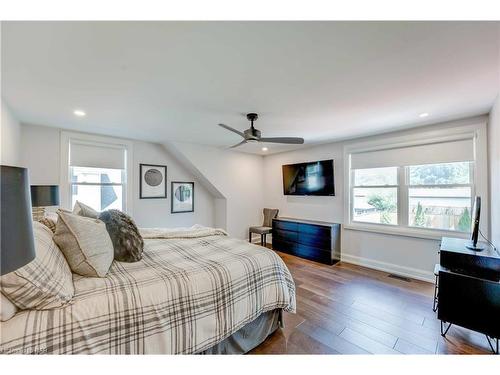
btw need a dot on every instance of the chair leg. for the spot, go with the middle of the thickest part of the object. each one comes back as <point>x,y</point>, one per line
<point>493,349</point>
<point>261,240</point>
<point>443,330</point>
<point>249,236</point>
<point>265,239</point>
<point>435,303</point>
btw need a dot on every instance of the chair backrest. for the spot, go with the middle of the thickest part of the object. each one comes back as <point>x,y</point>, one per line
<point>269,215</point>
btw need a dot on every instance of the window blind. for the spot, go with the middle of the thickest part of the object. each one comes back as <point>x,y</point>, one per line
<point>432,153</point>
<point>96,155</point>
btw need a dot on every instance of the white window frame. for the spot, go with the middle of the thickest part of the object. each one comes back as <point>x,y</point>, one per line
<point>475,130</point>
<point>398,193</point>
<point>470,185</point>
<point>64,178</point>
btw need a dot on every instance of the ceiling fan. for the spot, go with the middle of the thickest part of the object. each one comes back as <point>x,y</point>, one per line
<point>254,135</point>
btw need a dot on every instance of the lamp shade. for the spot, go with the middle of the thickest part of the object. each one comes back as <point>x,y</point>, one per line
<point>17,244</point>
<point>44,195</point>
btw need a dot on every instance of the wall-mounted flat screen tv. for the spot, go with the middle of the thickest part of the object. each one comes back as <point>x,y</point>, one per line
<point>312,178</point>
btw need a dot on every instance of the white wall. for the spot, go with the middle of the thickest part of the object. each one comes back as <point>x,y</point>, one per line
<point>410,256</point>
<point>494,170</point>
<point>236,176</point>
<point>40,152</point>
<point>10,135</point>
<point>156,212</point>
<point>232,188</point>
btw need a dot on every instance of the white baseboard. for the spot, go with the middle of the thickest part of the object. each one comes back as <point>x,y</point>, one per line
<point>413,273</point>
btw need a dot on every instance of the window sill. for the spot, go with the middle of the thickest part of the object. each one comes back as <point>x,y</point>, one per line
<point>429,234</point>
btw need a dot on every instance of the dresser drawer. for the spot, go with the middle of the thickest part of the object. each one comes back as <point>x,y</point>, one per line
<point>315,230</point>
<point>285,225</point>
<point>322,242</point>
<point>285,235</point>
<point>313,253</point>
<point>284,246</point>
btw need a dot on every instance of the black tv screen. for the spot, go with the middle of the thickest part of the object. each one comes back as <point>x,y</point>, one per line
<point>313,178</point>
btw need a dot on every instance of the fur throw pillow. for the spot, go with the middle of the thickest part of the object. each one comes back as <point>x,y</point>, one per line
<point>127,242</point>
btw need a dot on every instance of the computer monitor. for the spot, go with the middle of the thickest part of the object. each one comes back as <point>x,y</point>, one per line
<point>476,212</point>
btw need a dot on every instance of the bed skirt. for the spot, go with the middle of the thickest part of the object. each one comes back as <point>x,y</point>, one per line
<point>250,336</point>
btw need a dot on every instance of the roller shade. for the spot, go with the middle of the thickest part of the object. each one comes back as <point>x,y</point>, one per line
<point>434,153</point>
<point>96,156</point>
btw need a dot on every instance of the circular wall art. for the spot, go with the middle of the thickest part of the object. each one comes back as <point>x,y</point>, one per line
<point>182,197</point>
<point>182,193</point>
<point>153,177</point>
<point>153,183</point>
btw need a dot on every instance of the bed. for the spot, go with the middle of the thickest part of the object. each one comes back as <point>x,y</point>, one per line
<point>194,291</point>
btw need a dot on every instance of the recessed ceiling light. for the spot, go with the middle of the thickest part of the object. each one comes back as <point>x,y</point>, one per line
<point>264,148</point>
<point>79,113</point>
<point>422,115</point>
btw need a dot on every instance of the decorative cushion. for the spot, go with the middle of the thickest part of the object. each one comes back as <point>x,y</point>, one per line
<point>84,210</point>
<point>44,283</point>
<point>85,243</point>
<point>261,230</point>
<point>49,223</point>
<point>7,309</point>
<point>127,241</point>
<point>52,215</point>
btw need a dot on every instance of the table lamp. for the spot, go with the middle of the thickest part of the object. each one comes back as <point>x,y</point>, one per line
<point>43,196</point>
<point>17,244</point>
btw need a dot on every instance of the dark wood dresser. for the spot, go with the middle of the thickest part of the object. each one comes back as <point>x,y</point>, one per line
<point>314,240</point>
<point>469,288</point>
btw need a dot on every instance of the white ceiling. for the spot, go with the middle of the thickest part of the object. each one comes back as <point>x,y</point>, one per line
<point>174,81</point>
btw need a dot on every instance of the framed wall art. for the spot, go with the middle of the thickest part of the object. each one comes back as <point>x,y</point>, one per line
<point>182,196</point>
<point>153,181</point>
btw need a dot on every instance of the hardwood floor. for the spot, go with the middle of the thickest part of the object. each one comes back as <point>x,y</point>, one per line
<point>348,309</point>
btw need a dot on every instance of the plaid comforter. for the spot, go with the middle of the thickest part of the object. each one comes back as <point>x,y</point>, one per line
<point>188,293</point>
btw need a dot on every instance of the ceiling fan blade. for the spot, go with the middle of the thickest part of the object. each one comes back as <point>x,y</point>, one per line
<point>232,130</point>
<point>287,140</point>
<point>239,144</point>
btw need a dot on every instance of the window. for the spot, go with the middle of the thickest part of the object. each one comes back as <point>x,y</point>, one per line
<point>97,174</point>
<point>440,196</point>
<point>415,187</point>
<point>433,196</point>
<point>99,188</point>
<point>375,195</point>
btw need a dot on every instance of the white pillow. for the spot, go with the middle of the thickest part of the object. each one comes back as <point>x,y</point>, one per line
<point>44,283</point>
<point>84,210</point>
<point>52,216</point>
<point>85,243</point>
<point>7,309</point>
